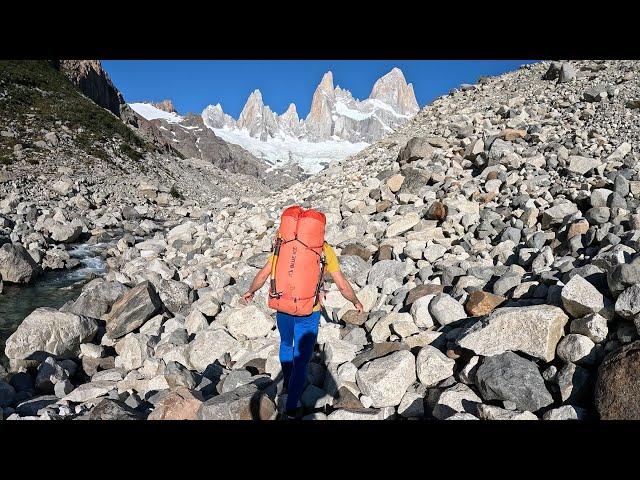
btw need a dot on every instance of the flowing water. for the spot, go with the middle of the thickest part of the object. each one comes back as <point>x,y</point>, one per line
<point>53,289</point>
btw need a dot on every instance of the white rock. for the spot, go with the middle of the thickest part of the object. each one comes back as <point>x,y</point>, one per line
<point>420,311</point>
<point>575,348</point>
<point>445,309</point>
<point>433,366</point>
<point>208,346</point>
<point>593,326</point>
<point>250,322</point>
<point>386,379</point>
<point>534,330</point>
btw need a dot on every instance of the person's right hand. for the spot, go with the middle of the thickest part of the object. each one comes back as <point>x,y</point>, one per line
<point>247,297</point>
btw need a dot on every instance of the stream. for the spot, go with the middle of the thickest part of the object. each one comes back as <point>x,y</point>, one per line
<point>52,289</point>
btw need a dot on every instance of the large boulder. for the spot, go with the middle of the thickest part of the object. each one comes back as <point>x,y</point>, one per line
<point>576,348</point>
<point>558,213</point>
<point>16,265</point>
<point>97,298</point>
<point>48,330</point>
<point>618,384</point>
<point>177,297</point>
<point>385,380</point>
<point>132,351</point>
<point>7,394</point>
<point>593,326</point>
<point>386,269</point>
<point>509,377</point>
<point>534,330</point>
<point>133,309</point>
<point>481,303</point>
<point>209,345</point>
<point>249,322</point>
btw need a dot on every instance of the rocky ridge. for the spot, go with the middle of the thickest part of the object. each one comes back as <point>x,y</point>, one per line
<point>337,126</point>
<point>493,241</point>
<point>334,113</point>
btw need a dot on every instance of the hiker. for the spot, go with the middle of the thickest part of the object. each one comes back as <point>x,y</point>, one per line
<point>296,266</point>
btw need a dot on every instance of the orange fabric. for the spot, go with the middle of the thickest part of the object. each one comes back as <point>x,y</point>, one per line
<point>331,264</point>
<point>299,261</point>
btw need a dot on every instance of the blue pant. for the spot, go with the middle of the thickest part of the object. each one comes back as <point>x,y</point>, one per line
<point>297,339</point>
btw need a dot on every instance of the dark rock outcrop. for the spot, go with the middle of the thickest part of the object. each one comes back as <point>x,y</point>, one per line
<point>94,82</point>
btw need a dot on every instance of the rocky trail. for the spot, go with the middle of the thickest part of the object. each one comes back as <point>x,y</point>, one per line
<point>493,240</point>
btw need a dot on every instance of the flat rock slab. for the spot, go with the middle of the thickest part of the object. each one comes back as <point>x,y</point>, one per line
<point>582,165</point>
<point>361,414</point>
<point>534,330</point>
<point>247,402</point>
<point>133,309</point>
<point>33,405</point>
<point>379,350</point>
<point>91,390</point>
<point>109,409</point>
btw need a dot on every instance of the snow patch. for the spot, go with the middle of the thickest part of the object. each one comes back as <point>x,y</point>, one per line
<point>151,113</point>
<point>344,110</point>
<point>277,152</point>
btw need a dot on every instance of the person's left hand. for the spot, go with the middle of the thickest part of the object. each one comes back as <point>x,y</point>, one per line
<point>359,307</point>
<point>247,297</point>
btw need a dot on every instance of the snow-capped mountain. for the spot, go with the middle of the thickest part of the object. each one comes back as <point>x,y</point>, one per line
<point>337,125</point>
<point>188,135</point>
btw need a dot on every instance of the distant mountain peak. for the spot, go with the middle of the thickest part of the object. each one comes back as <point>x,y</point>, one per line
<point>326,83</point>
<point>393,90</point>
<point>335,116</point>
<point>256,95</point>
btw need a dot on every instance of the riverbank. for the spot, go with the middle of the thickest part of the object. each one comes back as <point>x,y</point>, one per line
<point>52,289</point>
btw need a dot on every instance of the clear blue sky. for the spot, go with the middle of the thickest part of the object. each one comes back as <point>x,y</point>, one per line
<point>192,85</point>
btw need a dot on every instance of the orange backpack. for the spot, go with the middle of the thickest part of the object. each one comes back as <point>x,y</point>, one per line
<point>298,261</point>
